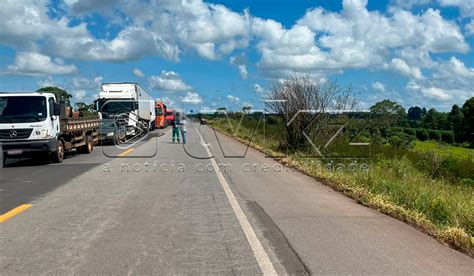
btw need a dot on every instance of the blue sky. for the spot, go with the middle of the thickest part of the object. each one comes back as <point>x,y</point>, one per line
<point>227,53</point>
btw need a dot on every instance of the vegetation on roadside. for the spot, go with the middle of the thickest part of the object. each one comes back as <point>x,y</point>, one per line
<point>424,182</point>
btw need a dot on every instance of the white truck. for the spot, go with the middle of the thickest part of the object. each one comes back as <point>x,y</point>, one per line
<point>35,123</point>
<point>126,110</point>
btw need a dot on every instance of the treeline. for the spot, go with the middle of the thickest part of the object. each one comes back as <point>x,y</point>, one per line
<point>454,127</point>
<point>64,97</point>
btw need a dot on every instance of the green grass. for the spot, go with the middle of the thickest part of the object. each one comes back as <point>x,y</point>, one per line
<point>402,184</point>
<point>444,150</point>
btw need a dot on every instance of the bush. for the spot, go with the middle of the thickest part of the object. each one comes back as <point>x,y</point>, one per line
<point>434,134</point>
<point>447,136</point>
<point>422,134</point>
<point>410,131</point>
<point>401,141</point>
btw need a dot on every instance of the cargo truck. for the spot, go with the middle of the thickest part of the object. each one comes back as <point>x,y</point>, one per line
<point>126,110</point>
<point>160,110</point>
<point>36,123</point>
<point>169,116</point>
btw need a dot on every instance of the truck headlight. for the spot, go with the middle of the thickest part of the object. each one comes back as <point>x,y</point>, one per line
<point>44,133</point>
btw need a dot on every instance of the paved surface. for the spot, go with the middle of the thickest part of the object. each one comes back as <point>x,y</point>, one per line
<point>171,214</point>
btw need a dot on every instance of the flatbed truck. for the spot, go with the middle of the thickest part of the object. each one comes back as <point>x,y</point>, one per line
<point>35,122</point>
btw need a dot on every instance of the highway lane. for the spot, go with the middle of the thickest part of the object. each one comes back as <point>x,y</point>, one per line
<point>172,214</point>
<point>24,180</point>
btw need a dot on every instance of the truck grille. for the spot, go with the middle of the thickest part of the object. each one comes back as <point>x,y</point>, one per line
<point>18,133</point>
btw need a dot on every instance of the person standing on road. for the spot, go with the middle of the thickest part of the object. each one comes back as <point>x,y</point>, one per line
<point>175,130</point>
<point>182,126</point>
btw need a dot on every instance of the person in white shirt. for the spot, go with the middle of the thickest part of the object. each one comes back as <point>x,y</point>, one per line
<point>182,126</point>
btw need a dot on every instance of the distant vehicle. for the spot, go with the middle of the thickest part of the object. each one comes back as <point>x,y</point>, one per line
<point>126,110</point>
<point>169,116</point>
<point>160,110</point>
<point>36,123</point>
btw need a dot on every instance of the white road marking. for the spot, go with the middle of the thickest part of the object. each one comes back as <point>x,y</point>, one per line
<point>203,143</point>
<point>262,257</point>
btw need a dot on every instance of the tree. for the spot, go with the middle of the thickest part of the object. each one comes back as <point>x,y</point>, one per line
<point>61,95</point>
<point>299,100</point>
<point>436,120</point>
<point>456,118</point>
<point>416,113</point>
<point>246,109</point>
<point>387,113</point>
<point>468,120</point>
<point>86,109</point>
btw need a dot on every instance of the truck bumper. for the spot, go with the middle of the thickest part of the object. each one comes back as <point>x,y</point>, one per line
<point>24,147</point>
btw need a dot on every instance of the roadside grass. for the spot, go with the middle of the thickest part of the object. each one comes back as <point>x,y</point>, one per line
<point>395,184</point>
<point>444,149</point>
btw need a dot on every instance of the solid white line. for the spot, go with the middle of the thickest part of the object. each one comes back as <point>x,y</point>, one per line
<point>262,257</point>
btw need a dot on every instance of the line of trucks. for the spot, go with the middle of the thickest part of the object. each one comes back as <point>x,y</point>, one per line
<point>36,122</point>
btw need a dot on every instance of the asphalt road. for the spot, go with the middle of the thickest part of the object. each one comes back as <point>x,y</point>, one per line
<point>164,208</point>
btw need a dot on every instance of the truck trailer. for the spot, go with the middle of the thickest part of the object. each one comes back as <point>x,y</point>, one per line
<point>126,109</point>
<point>36,123</point>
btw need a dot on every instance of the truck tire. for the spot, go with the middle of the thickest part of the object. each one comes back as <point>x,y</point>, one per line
<point>4,161</point>
<point>58,154</point>
<point>88,147</point>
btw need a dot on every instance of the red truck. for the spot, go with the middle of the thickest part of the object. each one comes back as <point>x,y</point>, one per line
<point>160,119</point>
<point>169,116</point>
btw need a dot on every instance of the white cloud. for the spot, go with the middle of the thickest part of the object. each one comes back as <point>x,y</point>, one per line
<point>30,63</point>
<point>233,99</point>
<point>466,7</point>
<point>192,98</point>
<point>413,85</point>
<point>328,42</point>
<point>79,95</point>
<point>84,6</point>
<point>259,89</point>
<point>454,69</point>
<point>165,29</point>
<point>86,83</point>
<point>431,92</point>
<point>470,28</point>
<point>47,82</point>
<point>436,93</point>
<point>403,68</point>
<point>451,82</point>
<point>378,86</point>
<point>243,71</point>
<point>241,63</point>
<point>137,72</point>
<point>168,81</point>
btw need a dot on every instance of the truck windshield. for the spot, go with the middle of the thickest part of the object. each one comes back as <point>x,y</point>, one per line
<point>159,111</point>
<point>22,109</point>
<point>112,107</point>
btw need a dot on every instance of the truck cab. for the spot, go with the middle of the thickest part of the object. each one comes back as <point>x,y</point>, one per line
<point>126,110</point>
<point>29,122</point>
<point>160,111</point>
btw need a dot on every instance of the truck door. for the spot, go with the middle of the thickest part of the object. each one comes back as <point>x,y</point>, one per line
<point>54,120</point>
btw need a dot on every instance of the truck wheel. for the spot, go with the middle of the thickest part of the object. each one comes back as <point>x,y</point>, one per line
<point>58,155</point>
<point>88,147</point>
<point>4,161</point>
